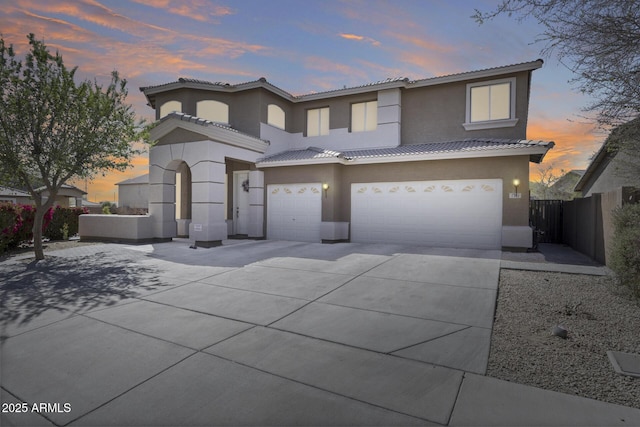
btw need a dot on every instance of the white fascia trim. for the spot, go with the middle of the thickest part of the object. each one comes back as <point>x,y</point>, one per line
<point>212,132</point>
<point>448,156</point>
<point>302,162</point>
<point>482,74</point>
<point>503,152</point>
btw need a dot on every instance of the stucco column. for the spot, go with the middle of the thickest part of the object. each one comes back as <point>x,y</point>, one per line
<point>256,203</point>
<point>208,227</point>
<point>162,202</point>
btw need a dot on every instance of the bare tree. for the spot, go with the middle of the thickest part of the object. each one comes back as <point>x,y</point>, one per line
<point>624,142</point>
<point>599,40</point>
<point>542,188</point>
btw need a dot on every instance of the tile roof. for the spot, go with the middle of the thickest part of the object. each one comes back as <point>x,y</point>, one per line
<point>203,122</point>
<point>461,146</point>
<point>387,83</point>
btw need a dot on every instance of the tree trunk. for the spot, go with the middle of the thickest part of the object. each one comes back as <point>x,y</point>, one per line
<point>37,232</point>
<point>38,222</point>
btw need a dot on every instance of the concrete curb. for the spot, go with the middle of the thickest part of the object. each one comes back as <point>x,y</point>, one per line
<point>556,268</point>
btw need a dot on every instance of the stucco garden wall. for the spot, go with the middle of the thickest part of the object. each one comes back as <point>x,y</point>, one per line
<point>116,228</point>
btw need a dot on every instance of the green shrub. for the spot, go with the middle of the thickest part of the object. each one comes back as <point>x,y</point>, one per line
<point>10,224</point>
<point>625,250</point>
<point>62,216</point>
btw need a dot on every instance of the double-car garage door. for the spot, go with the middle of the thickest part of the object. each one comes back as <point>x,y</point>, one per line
<point>459,214</point>
<point>455,213</point>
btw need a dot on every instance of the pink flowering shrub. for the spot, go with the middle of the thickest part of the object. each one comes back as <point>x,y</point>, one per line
<point>16,224</point>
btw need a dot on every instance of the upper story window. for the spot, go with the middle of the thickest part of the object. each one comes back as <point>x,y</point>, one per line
<point>491,104</point>
<point>275,116</point>
<point>318,121</point>
<point>364,116</point>
<point>170,107</point>
<point>215,111</point>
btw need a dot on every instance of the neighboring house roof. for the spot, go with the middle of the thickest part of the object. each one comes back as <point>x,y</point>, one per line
<point>151,91</point>
<point>599,159</point>
<point>563,188</point>
<point>142,179</point>
<point>67,187</point>
<point>607,152</point>
<point>478,147</point>
<point>12,192</point>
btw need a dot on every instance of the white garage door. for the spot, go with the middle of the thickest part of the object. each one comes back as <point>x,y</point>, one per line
<point>459,214</point>
<point>294,212</point>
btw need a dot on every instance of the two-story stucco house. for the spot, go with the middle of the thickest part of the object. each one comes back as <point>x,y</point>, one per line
<point>430,162</point>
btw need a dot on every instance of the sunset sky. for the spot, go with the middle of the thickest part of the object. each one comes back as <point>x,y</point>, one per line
<point>301,47</point>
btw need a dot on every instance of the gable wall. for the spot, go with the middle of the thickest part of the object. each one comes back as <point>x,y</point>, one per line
<point>436,113</point>
<point>610,175</point>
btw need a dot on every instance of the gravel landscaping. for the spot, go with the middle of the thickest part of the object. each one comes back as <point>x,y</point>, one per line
<point>599,316</point>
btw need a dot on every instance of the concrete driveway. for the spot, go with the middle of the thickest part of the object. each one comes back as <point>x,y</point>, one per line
<point>251,333</point>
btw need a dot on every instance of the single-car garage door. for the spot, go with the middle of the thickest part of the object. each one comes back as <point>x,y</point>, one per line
<point>459,214</point>
<point>294,212</point>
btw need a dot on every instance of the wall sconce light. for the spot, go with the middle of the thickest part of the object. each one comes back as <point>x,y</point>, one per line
<point>516,182</point>
<point>325,187</point>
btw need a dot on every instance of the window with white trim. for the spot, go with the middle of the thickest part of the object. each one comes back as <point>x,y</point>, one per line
<point>275,116</point>
<point>491,104</point>
<point>318,121</point>
<point>364,116</point>
<point>170,107</point>
<point>215,111</point>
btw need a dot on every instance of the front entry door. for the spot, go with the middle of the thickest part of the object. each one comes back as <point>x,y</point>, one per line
<point>241,202</point>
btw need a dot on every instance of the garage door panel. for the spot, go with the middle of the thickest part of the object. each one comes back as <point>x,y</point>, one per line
<point>460,213</point>
<point>294,212</point>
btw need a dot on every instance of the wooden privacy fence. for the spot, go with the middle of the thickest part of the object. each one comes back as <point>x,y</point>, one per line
<point>583,226</point>
<point>546,218</point>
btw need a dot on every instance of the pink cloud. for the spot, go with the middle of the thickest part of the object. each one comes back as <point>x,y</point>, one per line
<point>356,37</point>
<point>326,65</point>
<point>422,43</point>
<point>575,143</point>
<point>199,10</point>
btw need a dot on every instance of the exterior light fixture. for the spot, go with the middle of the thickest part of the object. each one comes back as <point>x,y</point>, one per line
<point>516,182</point>
<point>325,187</point>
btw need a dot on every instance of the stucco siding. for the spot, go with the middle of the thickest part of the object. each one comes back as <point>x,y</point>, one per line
<point>437,113</point>
<point>336,206</point>
<point>609,176</point>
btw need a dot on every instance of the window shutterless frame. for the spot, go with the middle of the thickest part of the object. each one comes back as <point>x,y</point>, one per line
<point>491,104</point>
<point>318,121</point>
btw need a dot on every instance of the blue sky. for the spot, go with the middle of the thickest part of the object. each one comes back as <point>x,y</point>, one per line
<point>302,47</point>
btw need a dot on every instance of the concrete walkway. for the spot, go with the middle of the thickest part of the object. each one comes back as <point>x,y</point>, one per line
<point>263,333</point>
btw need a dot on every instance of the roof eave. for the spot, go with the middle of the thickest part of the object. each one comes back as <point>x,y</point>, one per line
<point>480,74</point>
<point>470,154</point>
<point>600,156</point>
